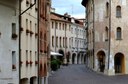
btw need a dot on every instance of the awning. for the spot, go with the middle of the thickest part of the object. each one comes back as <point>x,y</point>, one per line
<point>56,54</point>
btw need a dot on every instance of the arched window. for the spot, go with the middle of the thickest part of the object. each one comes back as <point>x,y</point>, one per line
<point>118,11</point>
<point>107,9</point>
<point>118,33</point>
<point>106,34</point>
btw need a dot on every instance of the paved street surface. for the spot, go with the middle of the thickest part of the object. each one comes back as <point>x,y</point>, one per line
<point>79,74</point>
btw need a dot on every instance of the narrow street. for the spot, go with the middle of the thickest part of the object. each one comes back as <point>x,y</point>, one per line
<point>79,74</point>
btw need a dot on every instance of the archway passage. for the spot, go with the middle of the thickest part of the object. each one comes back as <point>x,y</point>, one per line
<point>68,56</point>
<point>24,81</point>
<point>61,58</point>
<point>33,80</point>
<point>101,60</point>
<point>119,63</point>
<point>73,58</point>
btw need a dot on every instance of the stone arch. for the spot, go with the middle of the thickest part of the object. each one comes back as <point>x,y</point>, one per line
<point>33,80</point>
<point>68,56</point>
<point>119,63</point>
<point>73,58</point>
<point>61,58</point>
<point>101,60</point>
<point>24,81</point>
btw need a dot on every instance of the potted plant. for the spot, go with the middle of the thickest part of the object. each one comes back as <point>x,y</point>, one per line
<point>27,62</point>
<point>27,31</point>
<point>31,32</point>
<point>21,29</point>
<point>14,36</point>
<point>31,62</point>
<point>13,66</point>
<point>36,62</point>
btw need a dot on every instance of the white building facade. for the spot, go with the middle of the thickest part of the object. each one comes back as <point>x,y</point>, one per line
<point>67,38</point>
<point>28,43</point>
<point>9,42</point>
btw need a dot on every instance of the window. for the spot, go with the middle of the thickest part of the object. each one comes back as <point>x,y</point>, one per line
<point>14,35</point>
<point>60,41</point>
<point>60,26</point>
<point>66,42</point>
<point>107,9</point>
<point>52,41</point>
<point>56,41</point>
<point>13,60</point>
<point>52,24</point>
<point>118,11</point>
<point>13,28</point>
<point>106,34</point>
<point>56,25</point>
<point>26,23</point>
<point>118,33</point>
<point>30,25</point>
<point>63,42</point>
<point>63,26</point>
<point>26,55</point>
<point>31,57</point>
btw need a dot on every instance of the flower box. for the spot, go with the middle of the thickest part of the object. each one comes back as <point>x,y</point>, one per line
<point>14,36</point>
<point>27,62</point>
<point>21,62</point>
<point>36,34</point>
<point>13,66</point>
<point>31,32</point>
<point>36,62</point>
<point>27,31</point>
<point>21,29</point>
<point>31,62</point>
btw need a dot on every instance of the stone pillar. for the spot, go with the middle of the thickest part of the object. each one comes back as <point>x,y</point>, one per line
<point>80,59</point>
<point>111,70</point>
<point>76,59</point>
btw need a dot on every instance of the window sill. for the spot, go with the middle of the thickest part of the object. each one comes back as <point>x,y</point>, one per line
<point>119,39</point>
<point>13,69</point>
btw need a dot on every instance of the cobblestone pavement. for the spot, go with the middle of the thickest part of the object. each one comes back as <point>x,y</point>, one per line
<point>79,74</point>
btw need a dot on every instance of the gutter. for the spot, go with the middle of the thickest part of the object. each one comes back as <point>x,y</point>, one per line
<point>109,33</point>
<point>19,40</point>
<point>38,45</point>
<point>93,34</point>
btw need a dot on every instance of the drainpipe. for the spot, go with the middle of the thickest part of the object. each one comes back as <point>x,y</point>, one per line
<point>93,34</point>
<point>38,42</point>
<point>109,33</point>
<point>19,40</point>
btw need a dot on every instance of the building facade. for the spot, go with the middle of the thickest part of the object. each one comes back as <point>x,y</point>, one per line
<point>107,41</point>
<point>9,42</point>
<point>65,39</point>
<point>44,39</point>
<point>29,42</point>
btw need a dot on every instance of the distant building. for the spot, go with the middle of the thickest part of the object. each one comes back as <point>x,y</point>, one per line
<point>67,38</point>
<point>9,42</point>
<point>107,36</point>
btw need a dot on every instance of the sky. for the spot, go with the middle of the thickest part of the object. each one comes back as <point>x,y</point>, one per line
<point>72,7</point>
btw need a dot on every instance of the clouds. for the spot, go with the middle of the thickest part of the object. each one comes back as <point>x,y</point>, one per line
<point>72,7</point>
